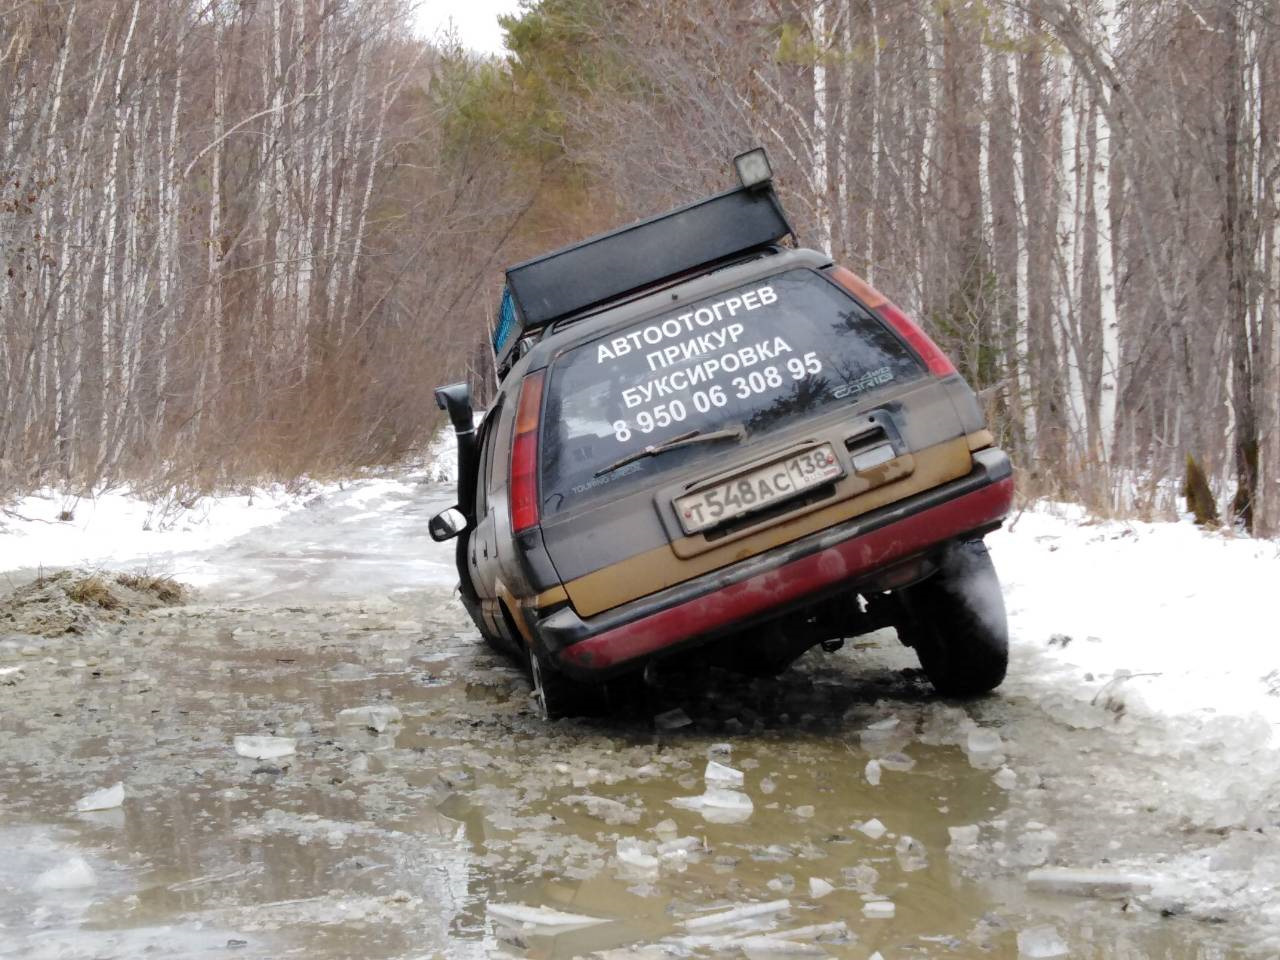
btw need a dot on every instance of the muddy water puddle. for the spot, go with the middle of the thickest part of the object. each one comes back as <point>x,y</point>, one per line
<point>466,827</point>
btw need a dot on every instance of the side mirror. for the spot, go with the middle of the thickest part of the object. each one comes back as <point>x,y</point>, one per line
<point>446,525</point>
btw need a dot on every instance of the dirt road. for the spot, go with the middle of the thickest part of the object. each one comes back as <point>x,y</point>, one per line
<point>870,817</point>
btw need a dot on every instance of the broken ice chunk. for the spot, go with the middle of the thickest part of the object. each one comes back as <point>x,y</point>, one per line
<point>746,911</point>
<point>898,762</point>
<point>877,733</point>
<point>377,717</point>
<point>873,772</point>
<point>108,798</point>
<point>782,884</point>
<point>911,854</point>
<point>718,773</point>
<point>634,862</point>
<point>862,878</point>
<point>873,828</point>
<point>672,720</point>
<point>666,829</point>
<point>1005,779</point>
<point>1082,882</point>
<point>1032,848</point>
<point>718,805</point>
<point>1040,942</point>
<point>879,910</point>
<point>804,811</point>
<point>765,947</point>
<point>965,836</point>
<point>819,888</point>
<point>611,811</point>
<point>835,930</point>
<point>540,918</point>
<point>985,749</point>
<point>73,874</point>
<point>681,845</point>
<point>265,748</point>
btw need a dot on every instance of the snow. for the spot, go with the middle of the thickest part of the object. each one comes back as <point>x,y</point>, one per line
<point>1159,619</point>
<point>1159,632</point>
<point>1134,617</point>
<point>114,526</point>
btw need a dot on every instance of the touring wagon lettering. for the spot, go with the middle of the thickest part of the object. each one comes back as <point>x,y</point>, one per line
<point>867,381</point>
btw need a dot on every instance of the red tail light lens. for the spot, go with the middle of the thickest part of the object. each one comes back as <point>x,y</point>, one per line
<point>937,362</point>
<point>524,455</point>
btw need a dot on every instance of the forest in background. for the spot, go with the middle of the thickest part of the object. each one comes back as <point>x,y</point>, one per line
<point>245,240</point>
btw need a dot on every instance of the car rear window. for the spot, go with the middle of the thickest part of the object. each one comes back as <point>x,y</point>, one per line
<point>759,356</point>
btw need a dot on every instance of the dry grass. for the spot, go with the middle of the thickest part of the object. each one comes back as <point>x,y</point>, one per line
<point>92,591</point>
<point>165,589</point>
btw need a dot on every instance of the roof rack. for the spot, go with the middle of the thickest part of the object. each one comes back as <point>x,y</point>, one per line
<point>611,265</point>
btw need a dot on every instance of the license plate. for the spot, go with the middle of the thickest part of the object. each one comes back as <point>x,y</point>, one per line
<point>760,488</point>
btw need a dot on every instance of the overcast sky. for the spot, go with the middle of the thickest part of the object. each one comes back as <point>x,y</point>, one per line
<point>476,21</point>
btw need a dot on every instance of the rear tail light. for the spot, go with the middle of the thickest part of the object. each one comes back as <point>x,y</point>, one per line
<point>937,362</point>
<point>524,455</point>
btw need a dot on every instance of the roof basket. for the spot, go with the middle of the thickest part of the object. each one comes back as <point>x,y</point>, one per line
<point>611,265</point>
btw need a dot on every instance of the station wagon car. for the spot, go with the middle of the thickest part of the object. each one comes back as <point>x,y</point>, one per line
<point>706,438</point>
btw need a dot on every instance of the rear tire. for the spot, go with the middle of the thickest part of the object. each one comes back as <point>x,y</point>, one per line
<point>957,624</point>
<point>556,695</point>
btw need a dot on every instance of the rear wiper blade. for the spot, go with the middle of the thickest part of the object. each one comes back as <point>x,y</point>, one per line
<point>675,443</point>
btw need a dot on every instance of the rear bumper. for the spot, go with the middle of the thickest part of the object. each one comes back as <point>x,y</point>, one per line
<point>790,576</point>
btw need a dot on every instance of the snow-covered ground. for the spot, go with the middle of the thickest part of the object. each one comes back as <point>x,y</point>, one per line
<point>1148,618</point>
<point>1137,724</point>
<point>1157,618</point>
<point>115,527</point>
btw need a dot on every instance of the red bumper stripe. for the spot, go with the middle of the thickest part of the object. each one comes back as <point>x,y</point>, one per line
<point>795,580</point>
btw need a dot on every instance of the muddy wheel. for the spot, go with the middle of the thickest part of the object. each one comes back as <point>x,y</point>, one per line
<point>556,695</point>
<point>956,622</point>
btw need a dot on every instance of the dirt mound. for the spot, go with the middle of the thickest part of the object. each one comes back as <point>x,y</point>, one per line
<point>72,601</point>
